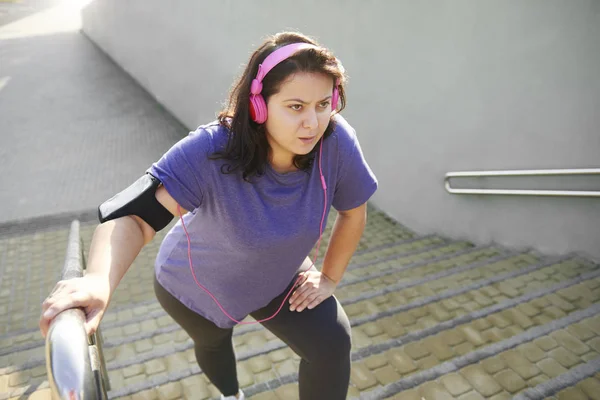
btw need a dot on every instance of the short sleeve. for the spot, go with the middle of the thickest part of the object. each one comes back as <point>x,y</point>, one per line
<point>182,167</point>
<point>356,182</point>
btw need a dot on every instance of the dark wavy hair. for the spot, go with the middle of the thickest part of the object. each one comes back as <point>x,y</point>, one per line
<point>247,147</point>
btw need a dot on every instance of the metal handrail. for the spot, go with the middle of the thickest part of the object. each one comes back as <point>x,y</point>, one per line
<point>74,362</point>
<point>527,192</point>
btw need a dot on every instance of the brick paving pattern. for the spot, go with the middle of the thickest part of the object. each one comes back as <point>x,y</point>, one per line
<point>463,305</point>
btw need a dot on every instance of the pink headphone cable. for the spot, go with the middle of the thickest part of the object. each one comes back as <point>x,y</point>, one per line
<point>323,184</point>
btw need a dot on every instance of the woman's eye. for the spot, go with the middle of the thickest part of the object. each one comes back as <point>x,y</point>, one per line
<point>296,107</point>
<point>324,104</point>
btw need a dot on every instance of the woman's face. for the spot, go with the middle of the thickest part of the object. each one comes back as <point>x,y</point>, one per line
<point>297,117</point>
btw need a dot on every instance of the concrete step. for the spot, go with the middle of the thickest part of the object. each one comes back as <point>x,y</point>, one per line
<point>501,369</point>
<point>423,347</point>
<point>115,324</point>
<point>404,294</point>
<point>365,334</point>
<point>31,262</point>
<point>24,343</point>
<point>410,249</point>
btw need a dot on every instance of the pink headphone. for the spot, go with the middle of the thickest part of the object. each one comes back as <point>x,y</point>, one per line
<point>258,107</point>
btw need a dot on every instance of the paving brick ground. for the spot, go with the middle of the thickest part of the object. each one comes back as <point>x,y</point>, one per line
<point>397,334</point>
<point>431,317</point>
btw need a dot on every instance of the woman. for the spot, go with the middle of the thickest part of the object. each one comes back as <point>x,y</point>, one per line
<point>259,183</point>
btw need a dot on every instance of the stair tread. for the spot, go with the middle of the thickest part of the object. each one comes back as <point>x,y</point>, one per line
<point>415,303</point>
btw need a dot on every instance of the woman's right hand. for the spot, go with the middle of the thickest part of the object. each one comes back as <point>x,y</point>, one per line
<point>91,293</point>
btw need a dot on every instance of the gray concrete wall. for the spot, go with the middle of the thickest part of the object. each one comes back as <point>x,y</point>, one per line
<point>435,86</point>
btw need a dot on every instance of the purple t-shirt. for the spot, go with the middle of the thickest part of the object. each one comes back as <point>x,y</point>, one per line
<point>248,240</point>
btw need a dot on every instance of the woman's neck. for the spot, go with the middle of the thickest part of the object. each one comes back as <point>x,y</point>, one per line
<point>282,164</point>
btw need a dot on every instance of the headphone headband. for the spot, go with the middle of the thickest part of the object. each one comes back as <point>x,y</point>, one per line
<point>278,56</point>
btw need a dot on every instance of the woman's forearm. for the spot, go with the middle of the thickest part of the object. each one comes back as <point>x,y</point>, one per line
<point>347,230</point>
<point>115,245</point>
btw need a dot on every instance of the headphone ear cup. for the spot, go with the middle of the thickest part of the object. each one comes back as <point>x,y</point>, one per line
<point>335,98</point>
<point>258,109</point>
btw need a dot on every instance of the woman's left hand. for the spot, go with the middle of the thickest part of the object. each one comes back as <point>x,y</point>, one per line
<point>313,288</point>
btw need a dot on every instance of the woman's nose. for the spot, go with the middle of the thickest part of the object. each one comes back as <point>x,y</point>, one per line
<point>311,121</point>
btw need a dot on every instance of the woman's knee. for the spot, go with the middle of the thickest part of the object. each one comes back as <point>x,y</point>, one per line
<point>340,348</point>
<point>334,347</point>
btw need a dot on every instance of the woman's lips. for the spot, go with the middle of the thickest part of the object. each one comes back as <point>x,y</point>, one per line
<point>307,140</point>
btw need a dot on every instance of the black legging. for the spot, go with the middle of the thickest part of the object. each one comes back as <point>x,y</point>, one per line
<point>321,337</point>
